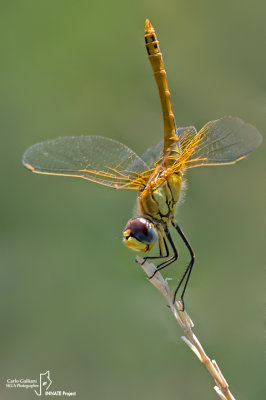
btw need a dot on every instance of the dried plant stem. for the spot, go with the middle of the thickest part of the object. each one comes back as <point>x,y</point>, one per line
<point>221,387</point>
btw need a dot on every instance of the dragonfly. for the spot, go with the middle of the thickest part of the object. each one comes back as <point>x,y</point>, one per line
<point>157,175</point>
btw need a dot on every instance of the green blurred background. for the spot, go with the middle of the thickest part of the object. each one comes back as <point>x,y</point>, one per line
<point>72,299</point>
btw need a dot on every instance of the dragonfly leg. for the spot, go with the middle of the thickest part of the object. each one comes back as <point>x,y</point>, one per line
<point>188,270</point>
<point>171,259</point>
<point>161,251</point>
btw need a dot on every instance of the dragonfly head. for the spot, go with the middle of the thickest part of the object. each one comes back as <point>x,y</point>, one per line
<point>140,234</point>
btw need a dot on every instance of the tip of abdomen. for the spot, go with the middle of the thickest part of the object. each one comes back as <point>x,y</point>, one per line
<point>148,27</point>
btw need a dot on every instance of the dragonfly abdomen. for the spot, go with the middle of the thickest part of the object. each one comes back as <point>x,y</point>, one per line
<point>159,203</point>
<point>156,60</point>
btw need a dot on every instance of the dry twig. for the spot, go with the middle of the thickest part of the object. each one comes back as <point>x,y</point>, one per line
<point>221,387</point>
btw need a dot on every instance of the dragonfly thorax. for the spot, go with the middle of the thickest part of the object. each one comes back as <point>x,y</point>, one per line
<point>140,234</point>
<point>158,200</point>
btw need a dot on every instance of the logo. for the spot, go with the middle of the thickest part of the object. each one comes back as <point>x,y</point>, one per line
<point>40,386</point>
<point>45,382</point>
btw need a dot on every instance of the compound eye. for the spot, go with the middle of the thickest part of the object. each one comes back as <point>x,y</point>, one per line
<point>142,230</point>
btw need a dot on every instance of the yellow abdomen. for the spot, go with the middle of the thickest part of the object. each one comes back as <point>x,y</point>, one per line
<point>158,202</point>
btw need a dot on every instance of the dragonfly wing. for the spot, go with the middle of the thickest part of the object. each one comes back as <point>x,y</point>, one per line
<point>153,154</point>
<point>185,136</point>
<point>94,158</point>
<point>223,141</point>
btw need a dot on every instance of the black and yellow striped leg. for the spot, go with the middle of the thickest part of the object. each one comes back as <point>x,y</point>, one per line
<point>188,270</point>
<point>161,252</point>
<point>171,259</point>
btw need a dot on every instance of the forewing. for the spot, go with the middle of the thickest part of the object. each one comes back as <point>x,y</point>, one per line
<point>223,141</point>
<point>94,158</point>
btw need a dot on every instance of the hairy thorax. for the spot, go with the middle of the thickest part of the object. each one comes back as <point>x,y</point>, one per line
<point>157,201</point>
